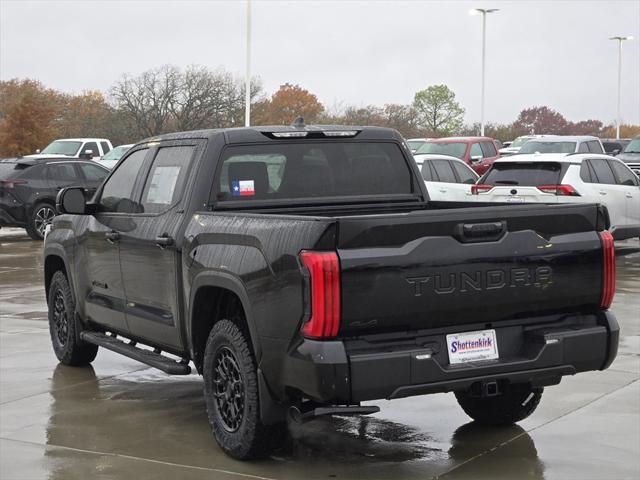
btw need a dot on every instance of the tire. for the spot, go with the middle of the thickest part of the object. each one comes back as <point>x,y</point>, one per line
<point>515,403</point>
<point>41,216</point>
<point>231,395</point>
<point>62,325</point>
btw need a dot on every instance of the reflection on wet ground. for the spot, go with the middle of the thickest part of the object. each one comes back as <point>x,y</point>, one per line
<point>120,419</point>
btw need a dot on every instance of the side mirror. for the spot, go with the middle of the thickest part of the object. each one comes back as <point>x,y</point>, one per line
<point>71,200</point>
<point>476,158</point>
<point>37,150</point>
<point>88,154</point>
<point>615,151</point>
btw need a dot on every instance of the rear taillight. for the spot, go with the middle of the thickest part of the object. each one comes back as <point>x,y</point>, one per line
<point>324,280</point>
<point>608,269</point>
<point>561,190</point>
<point>11,184</point>
<point>476,189</point>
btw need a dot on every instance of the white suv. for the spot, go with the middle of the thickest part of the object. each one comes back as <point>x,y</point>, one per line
<point>574,178</point>
<point>563,144</point>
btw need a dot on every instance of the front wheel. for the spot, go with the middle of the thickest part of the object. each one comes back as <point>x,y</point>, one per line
<point>231,395</point>
<point>62,326</point>
<point>41,216</point>
<point>516,402</point>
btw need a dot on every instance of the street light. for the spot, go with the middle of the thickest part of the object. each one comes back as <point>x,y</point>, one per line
<point>620,40</point>
<point>247,86</point>
<point>483,12</point>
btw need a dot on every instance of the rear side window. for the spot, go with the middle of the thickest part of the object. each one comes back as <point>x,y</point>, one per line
<point>165,182</point>
<point>623,175</point>
<point>444,171</point>
<point>61,171</point>
<point>586,173</point>
<point>526,174</point>
<point>595,147</point>
<point>602,171</point>
<point>465,174</point>
<point>312,169</point>
<point>117,194</point>
<point>583,147</point>
<point>489,149</point>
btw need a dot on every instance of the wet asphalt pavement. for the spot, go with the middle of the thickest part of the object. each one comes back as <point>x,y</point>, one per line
<point>122,420</point>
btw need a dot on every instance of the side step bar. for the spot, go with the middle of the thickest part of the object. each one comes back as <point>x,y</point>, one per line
<point>151,358</point>
<point>302,414</point>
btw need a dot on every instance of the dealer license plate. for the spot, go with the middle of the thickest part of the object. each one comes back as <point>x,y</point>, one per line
<point>472,346</point>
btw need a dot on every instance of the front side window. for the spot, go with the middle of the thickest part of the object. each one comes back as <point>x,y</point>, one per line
<point>633,147</point>
<point>117,194</point>
<point>312,169</point>
<point>595,147</point>
<point>105,147</point>
<point>165,182</point>
<point>93,173</point>
<point>583,147</point>
<point>93,146</point>
<point>489,149</point>
<point>623,175</point>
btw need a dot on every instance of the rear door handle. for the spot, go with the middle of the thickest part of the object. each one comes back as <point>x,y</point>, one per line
<point>112,236</point>
<point>628,195</point>
<point>602,192</point>
<point>164,241</point>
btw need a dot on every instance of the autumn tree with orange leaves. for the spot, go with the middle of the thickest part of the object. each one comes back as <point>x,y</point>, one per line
<point>284,106</point>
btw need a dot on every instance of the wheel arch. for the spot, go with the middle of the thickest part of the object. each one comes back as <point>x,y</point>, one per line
<point>213,296</point>
<point>54,262</point>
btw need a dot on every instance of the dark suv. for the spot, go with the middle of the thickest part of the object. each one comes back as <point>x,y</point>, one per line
<point>28,189</point>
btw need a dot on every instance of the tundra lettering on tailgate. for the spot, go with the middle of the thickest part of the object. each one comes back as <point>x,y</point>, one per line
<point>463,282</point>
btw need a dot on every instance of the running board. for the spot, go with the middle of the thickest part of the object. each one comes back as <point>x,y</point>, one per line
<point>301,415</point>
<point>152,358</point>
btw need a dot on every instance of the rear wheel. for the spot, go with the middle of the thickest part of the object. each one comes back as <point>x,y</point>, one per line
<point>62,325</point>
<point>41,216</point>
<point>231,395</point>
<point>516,402</point>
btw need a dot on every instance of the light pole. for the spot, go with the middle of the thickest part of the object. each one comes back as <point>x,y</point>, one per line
<point>620,40</point>
<point>483,12</point>
<point>247,86</point>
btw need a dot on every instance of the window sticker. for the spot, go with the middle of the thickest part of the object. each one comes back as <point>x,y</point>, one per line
<point>242,188</point>
<point>163,183</point>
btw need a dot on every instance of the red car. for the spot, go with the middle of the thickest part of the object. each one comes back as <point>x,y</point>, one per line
<point>477,152</point>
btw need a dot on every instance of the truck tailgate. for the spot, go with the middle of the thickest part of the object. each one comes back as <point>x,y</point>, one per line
<point>430,269</point>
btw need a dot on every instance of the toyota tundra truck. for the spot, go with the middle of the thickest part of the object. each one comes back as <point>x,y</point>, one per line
<point>303,271</point>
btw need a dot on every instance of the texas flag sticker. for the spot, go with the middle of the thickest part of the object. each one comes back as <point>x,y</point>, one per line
<point>242,188</point>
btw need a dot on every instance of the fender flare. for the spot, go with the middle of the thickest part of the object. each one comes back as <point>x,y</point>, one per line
<point>230,282</point>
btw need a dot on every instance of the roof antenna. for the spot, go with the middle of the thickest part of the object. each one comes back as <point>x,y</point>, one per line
<point>298,123</point>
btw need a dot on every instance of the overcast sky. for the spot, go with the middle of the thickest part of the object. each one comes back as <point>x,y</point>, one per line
<point>553,53</point>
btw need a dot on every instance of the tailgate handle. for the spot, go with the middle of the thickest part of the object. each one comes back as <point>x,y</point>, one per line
<point>482,231</point>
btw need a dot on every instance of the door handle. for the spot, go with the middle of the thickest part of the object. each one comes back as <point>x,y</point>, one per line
<point>164,241</point>
<point>602,192</point>
<point>628,195</point>
<point>112,236</point>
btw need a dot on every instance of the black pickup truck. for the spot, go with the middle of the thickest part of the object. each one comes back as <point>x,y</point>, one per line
<point>303,270</point>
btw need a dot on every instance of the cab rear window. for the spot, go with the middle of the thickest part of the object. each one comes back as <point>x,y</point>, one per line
<point>312,170</point>
<point>524,173</point>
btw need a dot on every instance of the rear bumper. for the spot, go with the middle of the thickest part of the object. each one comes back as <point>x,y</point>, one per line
<point>358,370</point>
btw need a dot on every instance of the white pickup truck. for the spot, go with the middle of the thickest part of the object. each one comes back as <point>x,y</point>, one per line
<point>87,148</point>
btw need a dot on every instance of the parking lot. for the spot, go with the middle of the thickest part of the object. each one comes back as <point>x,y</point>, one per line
<point>120,419</point>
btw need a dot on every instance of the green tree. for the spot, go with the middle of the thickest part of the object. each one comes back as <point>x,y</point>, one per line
<point>437,111</point>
